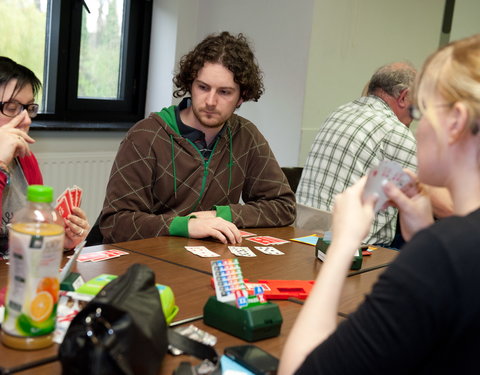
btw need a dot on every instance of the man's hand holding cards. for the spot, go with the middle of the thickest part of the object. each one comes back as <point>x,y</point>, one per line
<point>386,171</point>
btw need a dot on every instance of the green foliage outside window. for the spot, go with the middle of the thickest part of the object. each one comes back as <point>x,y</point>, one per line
<point>22,34</point>
<point>100,50</point>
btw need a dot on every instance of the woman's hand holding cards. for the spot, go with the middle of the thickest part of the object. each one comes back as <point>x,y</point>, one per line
<point>352,216</point>
<point>76,222</point>
<point>414,206</point>
<point>77,228</point>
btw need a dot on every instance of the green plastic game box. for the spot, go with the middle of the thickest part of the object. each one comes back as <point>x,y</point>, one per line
<point>321,251</point>
<point>93,286</point>
<point>250,324</point>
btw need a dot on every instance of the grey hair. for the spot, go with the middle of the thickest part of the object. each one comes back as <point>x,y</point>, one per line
<point>393,78</point>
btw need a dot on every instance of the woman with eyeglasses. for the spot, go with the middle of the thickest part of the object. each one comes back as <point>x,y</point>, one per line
<point>423,314</point>
<point>18,166</point>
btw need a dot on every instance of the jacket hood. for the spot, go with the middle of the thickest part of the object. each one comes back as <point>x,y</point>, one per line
<point>167,114</point>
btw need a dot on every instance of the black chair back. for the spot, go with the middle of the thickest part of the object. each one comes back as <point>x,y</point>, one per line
<point>293,175</point>
<point>94,237</point>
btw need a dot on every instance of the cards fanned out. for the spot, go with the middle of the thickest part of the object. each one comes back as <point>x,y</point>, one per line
<point>98,256</point>
<point>239,251</point>
<point>386,171</point>
<point>71,197</point>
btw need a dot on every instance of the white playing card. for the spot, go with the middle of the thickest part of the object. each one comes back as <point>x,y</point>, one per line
<point>241,251</point>
<point>201,251</point>
<point>386,171</point>
<point>269,250</point>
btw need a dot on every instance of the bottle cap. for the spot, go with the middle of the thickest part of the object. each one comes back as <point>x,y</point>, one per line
<point>40,193</point>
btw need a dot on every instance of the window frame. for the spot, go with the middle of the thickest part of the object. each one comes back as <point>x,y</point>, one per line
<point>62,70</point>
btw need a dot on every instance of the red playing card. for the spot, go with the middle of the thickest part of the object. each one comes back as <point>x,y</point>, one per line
<point>246,234</point>
<point>97,256</point>
<point>74,195</point>
<point>88,257</point>
<point>116,252</point>
<point>266,240</point>
<point>63,208</point>
<point>105,257</point>
<point>79,193</point>
<point>66,194</point>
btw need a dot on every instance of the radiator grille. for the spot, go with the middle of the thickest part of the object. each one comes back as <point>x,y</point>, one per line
<point>90,171</point>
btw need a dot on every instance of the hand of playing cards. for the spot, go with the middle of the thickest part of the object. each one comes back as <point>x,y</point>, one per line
<point>71,197</point>
<point>377,177</point>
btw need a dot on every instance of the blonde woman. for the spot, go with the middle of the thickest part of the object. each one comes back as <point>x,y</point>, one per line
<point>423,314</point>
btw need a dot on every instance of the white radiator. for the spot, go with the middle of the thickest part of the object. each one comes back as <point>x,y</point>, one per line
<point>90,171</point>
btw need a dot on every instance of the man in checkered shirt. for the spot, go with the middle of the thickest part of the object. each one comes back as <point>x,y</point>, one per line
<point>357,137</point>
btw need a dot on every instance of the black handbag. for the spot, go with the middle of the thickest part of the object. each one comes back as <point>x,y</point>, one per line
<point>122,331</point>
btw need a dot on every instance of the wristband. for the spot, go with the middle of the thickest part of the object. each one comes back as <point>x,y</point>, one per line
<point>5,170</point>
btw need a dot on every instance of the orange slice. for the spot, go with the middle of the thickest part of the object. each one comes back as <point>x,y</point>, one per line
<point>51,285</point>
<point>41,306</point>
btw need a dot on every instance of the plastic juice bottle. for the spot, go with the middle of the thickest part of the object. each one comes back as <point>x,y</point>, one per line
<point>35,250</point>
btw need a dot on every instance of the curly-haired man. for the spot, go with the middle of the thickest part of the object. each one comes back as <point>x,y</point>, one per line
<point>183,170</point>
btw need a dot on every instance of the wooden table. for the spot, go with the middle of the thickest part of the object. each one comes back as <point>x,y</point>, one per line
<point>189,277</point>
<point>189,299</point>
<point>298,263</point>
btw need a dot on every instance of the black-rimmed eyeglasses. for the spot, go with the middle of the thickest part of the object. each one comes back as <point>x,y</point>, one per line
<point>12,109</point>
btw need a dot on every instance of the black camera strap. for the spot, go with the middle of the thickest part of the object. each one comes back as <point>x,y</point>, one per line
<point>192,347</point>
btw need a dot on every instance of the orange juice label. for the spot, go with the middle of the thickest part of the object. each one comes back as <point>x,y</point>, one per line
<point>35,252</point>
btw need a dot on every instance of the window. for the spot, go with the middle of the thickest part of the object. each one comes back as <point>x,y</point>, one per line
<point>95,58</point>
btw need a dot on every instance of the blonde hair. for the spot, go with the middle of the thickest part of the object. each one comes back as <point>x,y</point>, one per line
<point>453,72</point>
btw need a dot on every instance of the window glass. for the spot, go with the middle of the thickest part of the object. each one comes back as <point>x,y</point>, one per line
<point>22,33</point>
<point>101,50</point>
<point>90,55</point>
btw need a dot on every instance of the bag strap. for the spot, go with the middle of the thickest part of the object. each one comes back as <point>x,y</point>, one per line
<point>192,347</point>
<point>28,365</point>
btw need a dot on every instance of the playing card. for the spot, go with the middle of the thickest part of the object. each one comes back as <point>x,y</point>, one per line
<point>74,195</point>
<point>63,208</point>
<point>269,250</point>
<point>116,252</point>
<point>267,240</point>
<point>377,177</point>
<point>79,193</point>
<point>106,256</point>
<point>68,196</point>
<point>97,256</point>
<point>246,234</point>
<point>88,257</point>
<point>241,251</point>
<point>201,251</point>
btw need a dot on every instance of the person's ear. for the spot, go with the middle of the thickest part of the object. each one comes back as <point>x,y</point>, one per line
<point>402,99</point>
<point>457,122</point>
<point>239,103</point>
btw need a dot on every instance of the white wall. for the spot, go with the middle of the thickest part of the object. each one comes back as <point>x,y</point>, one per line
<point>173,31</point>
<point>279,31</point>
<point>465,19</point>
<point>351,39</point>
<point>316,55</point>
